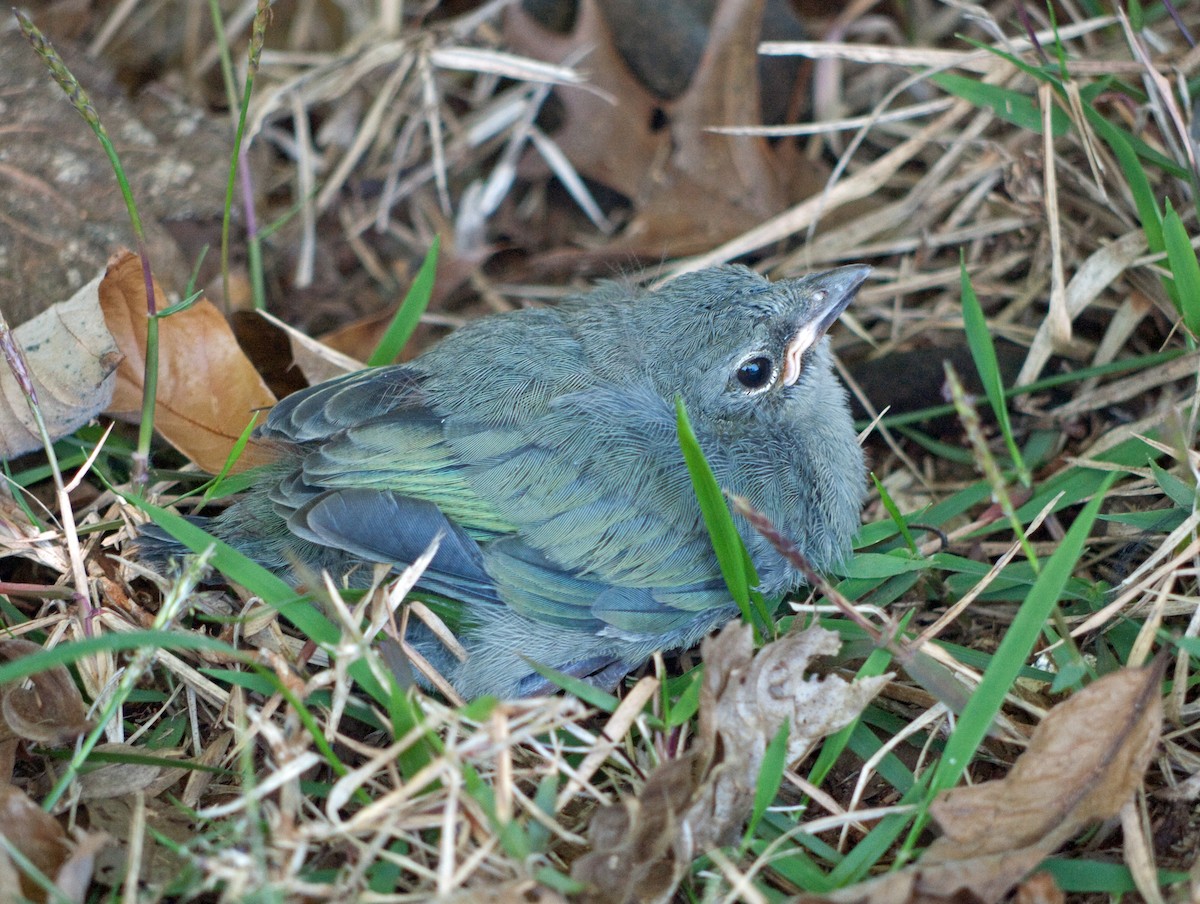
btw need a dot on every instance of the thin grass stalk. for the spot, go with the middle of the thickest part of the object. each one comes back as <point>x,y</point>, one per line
<point>258,33</point>
<point>223,54</point>
<point>30,870</point>
<point>987,464</point>
<point>83,104</point>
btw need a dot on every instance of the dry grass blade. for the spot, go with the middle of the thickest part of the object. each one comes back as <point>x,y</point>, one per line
<point>300,770</point>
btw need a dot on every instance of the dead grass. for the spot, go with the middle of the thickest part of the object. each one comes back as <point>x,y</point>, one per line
<point>298,784</point>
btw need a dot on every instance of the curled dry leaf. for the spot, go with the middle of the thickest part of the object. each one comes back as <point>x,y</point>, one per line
<point>207,389</point>
<point>74,878</point>
<point>36,835</point>
<point>1083,763</point>
<point>124,779</point>
<point>316,361</point>
<point>47,709</point>
<point>168,828</point>
<point>702,799</point>
<point>692,188</point>
<point>73,362</point>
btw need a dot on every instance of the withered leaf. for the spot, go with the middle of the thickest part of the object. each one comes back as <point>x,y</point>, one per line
<point>74,877</point>
<point>207,388</point>
<point>47,708</point>
<point>702,799</point>
<point>72,361</point>
<point>160,864</point>
<point>35,834</point>
<point>314,360</point>
<point>1083,763</point>
<point>124,779</point>
<point>691,188</point>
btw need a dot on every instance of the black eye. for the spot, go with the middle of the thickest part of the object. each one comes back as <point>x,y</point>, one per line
<point>755,373</point>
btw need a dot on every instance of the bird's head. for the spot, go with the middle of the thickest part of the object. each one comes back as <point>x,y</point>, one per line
<point>736,346</point>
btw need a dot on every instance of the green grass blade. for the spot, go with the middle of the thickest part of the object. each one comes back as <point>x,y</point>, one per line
<point>236,566</point>
<point>1011,106</point>
<point>979,340</point>
<point>893,511</point>
<point>408,315</point>
<point>1182,494</point>
<point>1014,649</point>
<point>300,611</point>
<point>1141,362</point>
<point>235,453</point>
<point>833,746</point>
<point>66,654</point>
<point>732,557</point>
<point>770,777</point>
<point>1135,176</point>
<point>593,696</point>
<point>1185,269</point>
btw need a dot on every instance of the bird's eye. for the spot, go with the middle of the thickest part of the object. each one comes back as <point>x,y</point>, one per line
<point>755,373</point>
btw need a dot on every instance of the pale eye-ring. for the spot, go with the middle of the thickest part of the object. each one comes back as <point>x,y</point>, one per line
<point>756,373</point>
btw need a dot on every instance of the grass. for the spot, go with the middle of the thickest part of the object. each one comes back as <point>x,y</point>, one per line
<point>1044,540</point>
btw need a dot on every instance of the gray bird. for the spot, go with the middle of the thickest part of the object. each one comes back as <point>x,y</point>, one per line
<point>542,446</point>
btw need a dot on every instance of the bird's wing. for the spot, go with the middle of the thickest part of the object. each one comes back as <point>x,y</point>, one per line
<point>374,430</point>
<point>324,410</point>
<point>388,527</point>
<point>608,532</point>
<point>581,500</point>
<point>540,589</point>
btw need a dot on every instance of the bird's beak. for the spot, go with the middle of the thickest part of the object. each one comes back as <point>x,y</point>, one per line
<point>831,293</point>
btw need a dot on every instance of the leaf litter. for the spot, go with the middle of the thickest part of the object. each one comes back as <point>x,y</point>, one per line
<point>906,197</point>
<point>702,798</point>
<point>1070,776</point>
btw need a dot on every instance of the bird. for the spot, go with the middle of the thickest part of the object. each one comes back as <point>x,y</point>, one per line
<point>541,447</point>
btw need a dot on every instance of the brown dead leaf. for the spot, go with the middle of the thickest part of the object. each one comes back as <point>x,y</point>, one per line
<point>125,779</point>
<point>702,799</point>
<point>47,708</point>
<point>74,877</point>
<point>160,864</point>
<point>1084,761</point>
<point>207,389</point>
<point>1040,888</point>
<point>72,359</point>
<point>591,120</point>
<point>739,173</point>
<point>35,834</point>
<point>290,352</point>
<point>691,189</point>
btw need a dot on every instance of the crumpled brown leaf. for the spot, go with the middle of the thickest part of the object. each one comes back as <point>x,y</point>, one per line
<point>33,832</point>
<point>207,389</point>
<point>72,360</point>
<point>125,779</point>
<point>691,188</point>
<point>279,349</point>
<point>702,799</point>
<point>167,824</point>
<point>47,709</point>
<point>1084,761</point>
<point>39,838</point>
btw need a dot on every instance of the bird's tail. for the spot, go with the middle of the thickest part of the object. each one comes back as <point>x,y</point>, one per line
<point>157,549</point>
